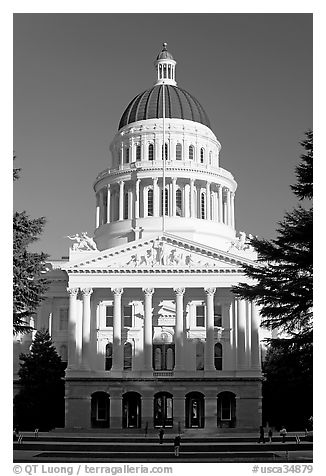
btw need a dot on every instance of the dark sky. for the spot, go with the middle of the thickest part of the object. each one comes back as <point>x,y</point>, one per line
<point>74,74</point>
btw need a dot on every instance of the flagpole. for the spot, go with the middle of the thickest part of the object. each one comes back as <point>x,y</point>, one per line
<point>163,157</point>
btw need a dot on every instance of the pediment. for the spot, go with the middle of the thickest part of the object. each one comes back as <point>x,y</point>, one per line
<point>164,253</point>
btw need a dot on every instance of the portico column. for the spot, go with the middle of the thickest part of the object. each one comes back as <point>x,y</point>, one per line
<point>225,206</point>
<point>136,198</point>
<point>121,188</point>
<point>86,293</point>
<point>255,322</point>
<point>179,333</point>
<point>97,218</point>
<point>174,183</point>
<point>209,347</point>
<point>228,206</point>
<point>108,204</point>
<point>148,331</point>
<point>232,209</point>
<point>220,204</point>
<point>155,198</point>
<point>117,348</point>
<point>241,347</point>
<point>72,327</point>
<point>192,188</point>
<point>208,201</point>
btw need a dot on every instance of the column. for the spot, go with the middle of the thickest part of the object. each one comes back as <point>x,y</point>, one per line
<point>144,204</point>
<point>148,331</point>
<point>241,351</point>
<point>147,402</point>
<point>115,408</point>
<point>192,189</point>
<point>179,332</point>
<point>130,202</point>
<point>86,293</point>
<point>174,184</point>
<point>136,198</point>
<point>228,200</point>
<point>255,322</point>
<point>121,188</point>
<point>156,200</point>
<point>220,203</point>
<point>209,347</point>
<point>72,327</point>
<point>108,204</point>
<point>225,207</point>
<point>186,204</point>
<point>101,197</point>
<point>121,156</point>
<point>232,210</point>
<point>117,347</point>
<point>208,201</point>
<point>97,218</point>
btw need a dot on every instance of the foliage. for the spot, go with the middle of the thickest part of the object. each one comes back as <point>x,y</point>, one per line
<point>40,402</point>
<point>28,285</point>
<point>283,281</point>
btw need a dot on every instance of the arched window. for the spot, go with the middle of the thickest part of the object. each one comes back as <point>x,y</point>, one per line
<point>157,359</point>
<point>127,155</point>
<point>150,209</point>
<point>202,154</point>
<point>160,71</point>
<point>178,152</point>
<point>166,151</point>
<point>169,358</point>
<point>127,357</point>
<point>138,152</point>
<point>191,152</point>
<point>126,206</point>
<point>200,355</point>
<point>108,356</point>
<point>178,199</point>
<point>203,205</point>
<point>164,70</point>
<point>151,152</point>
<point>166,202</point>
<point>218,356</point>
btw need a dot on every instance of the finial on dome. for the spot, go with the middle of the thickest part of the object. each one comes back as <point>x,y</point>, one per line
<point>165,45</point>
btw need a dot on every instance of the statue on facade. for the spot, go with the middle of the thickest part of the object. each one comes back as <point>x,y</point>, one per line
<point>89,241</point>
<point>83,242</point>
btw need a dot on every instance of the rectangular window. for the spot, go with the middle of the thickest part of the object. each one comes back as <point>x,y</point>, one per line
<point>200,316</point>
<point>127,316</point>
<point>217,316</point>
<point>127,155</point>
<point>63,319</point>
<point>109,316</point>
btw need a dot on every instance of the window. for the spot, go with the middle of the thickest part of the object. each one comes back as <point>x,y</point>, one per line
<point>202,155</point>
<point>191,152</point>
<point>151,152</point>
<point>127,155</point>
<point>178,152</point>
<point>200,356</point>
<point>64,353</point>
<point>217,316</point>
<point>100,410</point>
<point>166,151</point>
<point>150,209</point>
<point>63,319</point>
<point>108,356</point>
<point>166,202</point>
<point>202,206</point>
<point>210,158</point>
<point>163,356</point>
<point>109,316</point>
<point>127,356</point>
<point>200,316</point>
<point>225,408</point>
<point>178,199</point>
<point>126,206</point>
<point>127,316</point>
<point>138,152</point>
<point>218,356</point>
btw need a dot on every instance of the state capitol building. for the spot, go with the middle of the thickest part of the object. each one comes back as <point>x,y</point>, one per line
<point>143,313</point>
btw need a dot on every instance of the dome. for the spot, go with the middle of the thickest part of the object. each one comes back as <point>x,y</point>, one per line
<point>179,104</point>
<point>164,54</point>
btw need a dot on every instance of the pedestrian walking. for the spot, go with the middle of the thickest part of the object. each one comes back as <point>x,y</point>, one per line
<point>20,438</point>
<point>297,439</point>
<point>270,435</point>
<point>177,442</point>
<point>283,433</point>
<point>261,435</point>
<point>161,435</point>
<point>36,433</point>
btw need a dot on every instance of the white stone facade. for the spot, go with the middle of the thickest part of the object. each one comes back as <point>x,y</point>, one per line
<point>152,334</point>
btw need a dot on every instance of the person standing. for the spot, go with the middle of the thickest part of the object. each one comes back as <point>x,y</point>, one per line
<point>177,442</point>
<point>270,435</point>
<point>283,434</point>
<point>161,435</point>
<point>261,435</point>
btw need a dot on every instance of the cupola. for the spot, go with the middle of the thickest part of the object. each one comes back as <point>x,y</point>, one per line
<point>165,67</point>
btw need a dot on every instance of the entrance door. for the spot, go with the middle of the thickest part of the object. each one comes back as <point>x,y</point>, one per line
<point>131,410</point>
<point>195,410</point>
<point>163,410</point>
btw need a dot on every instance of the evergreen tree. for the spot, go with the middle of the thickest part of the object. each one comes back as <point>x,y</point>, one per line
<point>40,402</point>
<point>28,285</point>
<point>283,281</point>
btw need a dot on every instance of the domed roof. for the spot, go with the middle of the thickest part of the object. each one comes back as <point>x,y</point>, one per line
<point>179,104</point>
<point>164,54</point>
